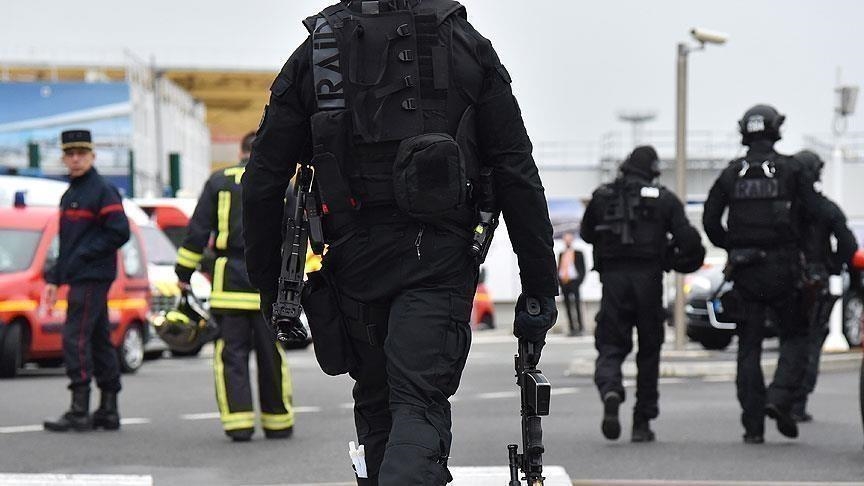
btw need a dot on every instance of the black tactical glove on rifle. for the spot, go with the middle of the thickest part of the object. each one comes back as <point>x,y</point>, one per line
<point>534,317</point>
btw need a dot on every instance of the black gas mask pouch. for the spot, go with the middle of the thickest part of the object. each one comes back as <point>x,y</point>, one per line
<point>429,177</point>
<point>327,324</point>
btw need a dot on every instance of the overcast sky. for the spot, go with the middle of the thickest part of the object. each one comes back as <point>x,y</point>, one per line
<point>575,63</point>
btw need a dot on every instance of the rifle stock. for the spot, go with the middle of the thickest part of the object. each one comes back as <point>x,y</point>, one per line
<point>287,308</point>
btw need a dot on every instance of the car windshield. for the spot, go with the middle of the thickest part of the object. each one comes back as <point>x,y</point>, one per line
<point>17,248</point>
<point>159,249</point>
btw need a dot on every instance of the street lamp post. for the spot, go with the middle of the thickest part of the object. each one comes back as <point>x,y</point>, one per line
<point>846,100</point>
<point>702,37</point>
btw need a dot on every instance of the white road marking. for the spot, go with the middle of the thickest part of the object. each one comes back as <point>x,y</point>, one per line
<point>74,480</point>
<point>215,415</point>
<point>564,391</point>
<point>497,395</point>
<point>19,429</point>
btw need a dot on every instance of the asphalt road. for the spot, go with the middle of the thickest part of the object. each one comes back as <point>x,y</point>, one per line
<point>172,431</point>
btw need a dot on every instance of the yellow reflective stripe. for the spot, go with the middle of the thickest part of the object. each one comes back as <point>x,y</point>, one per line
<point>185,262</point>
<point>18,305</point>
<point>237,172</point>
<point>221,303</point>
<point>219,274</point>
<point>167,288</point>
<point>287,385</point>
<point>238,422</point>
<point>223,219</point>
<point>188,254</point>
<point>276,422</point>
<point>230,421</point>
<point>125,304</point>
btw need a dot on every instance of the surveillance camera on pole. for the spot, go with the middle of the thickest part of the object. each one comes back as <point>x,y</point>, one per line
<point>705,36</point>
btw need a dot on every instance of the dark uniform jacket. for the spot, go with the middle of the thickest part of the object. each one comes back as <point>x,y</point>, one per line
<point>476,73</point>
<point>218,216</point>
<point>657,214</point>
<point>93,226</point>
<point>817,238</point>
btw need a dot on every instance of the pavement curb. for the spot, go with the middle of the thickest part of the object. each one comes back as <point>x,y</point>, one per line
<point>694,364</point>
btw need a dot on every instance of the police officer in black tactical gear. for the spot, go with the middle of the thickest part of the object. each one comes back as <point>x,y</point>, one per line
<point>768,196</point>
<point>399,105</point>
<point>93,226</point>
<point>822,260</point>
<point>629,223</point>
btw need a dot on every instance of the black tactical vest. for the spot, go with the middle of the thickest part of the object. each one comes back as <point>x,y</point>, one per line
<point>632,221</point>
<point>761,210</point>
<point>382,84</point>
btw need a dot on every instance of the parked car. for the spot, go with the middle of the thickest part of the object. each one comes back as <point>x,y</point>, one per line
<point>703,284</point>
<point>170,214</point>
<point>30,332</point>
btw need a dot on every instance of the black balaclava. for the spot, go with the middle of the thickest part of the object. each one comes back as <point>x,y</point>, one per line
<point>643,162</point>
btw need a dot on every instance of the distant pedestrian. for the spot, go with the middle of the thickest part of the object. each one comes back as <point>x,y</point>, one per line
<point>571,274</point>
<point>93,226</point>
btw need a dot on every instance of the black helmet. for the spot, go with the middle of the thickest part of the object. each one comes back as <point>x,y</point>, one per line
<point>642,161</point>
<point>760,122</point>
<point>811,162</point>
<point>186,327</point>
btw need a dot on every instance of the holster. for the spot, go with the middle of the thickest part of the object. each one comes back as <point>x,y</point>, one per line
<point>327,324</point>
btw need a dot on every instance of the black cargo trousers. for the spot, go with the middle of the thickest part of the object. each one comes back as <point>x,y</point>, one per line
<point>87,348</point>
<point>418,282</point>
<point>770,286</point>
<point>632,296</point>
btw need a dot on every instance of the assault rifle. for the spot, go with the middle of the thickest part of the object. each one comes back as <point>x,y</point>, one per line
<point>302,226</point>
<point>535,391</point>
<point>619,215</point>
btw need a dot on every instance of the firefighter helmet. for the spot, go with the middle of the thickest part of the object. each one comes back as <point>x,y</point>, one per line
<point>187,326</point>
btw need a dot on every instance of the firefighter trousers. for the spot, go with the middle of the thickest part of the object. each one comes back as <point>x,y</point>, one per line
<point>242,332</point>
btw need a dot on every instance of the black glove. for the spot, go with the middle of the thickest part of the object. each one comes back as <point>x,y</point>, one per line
<point>534,316</point>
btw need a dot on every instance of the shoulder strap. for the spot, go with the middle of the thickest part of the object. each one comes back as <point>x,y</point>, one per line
<point>326,65</point>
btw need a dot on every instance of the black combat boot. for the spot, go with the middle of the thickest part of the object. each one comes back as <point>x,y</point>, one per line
<point>611,426</point>
<point>642,431</point>
<point>279,434</point>
<point>240,435</point>
<point>786,425</point>
<point>77,417</point>
<point>107,416</point>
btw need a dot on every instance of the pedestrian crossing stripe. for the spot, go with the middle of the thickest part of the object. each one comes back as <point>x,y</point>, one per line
<point>74,480</point>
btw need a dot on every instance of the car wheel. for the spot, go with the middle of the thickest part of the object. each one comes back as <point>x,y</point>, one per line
<point>186,354</point>
<point>132,349</point>
<point>716,342</point>
<point>11,351</point>
<point>853,316</point>
<point>487,322</point>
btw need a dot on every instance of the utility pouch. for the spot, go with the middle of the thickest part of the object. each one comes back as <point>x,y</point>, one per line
<point>743,257</point>
<point>429,176</point>
<point>329,334</point>
<point>330,148</point>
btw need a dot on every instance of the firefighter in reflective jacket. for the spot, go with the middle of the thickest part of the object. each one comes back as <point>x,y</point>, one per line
<point>235,305</point>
